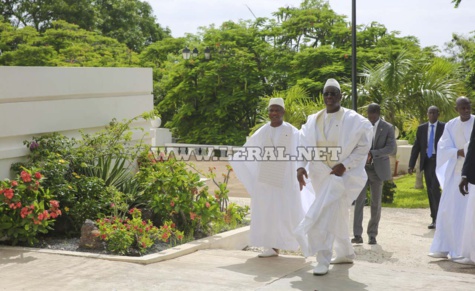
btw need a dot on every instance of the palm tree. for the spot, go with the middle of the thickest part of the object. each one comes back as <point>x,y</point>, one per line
<point>406,86</point>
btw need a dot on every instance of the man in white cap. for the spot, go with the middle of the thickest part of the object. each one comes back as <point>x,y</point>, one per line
<point>451,149</point>
<point>342,139</point>
<point>262,167</point>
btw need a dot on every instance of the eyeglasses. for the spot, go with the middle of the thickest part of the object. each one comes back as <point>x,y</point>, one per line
<point>333,94</point>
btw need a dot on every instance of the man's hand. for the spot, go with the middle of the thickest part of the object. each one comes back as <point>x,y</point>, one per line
<point>369,159</point>
<point>463,186</point>
<point>461,153</point>
<point>410,171</point>
<point>338,170</point>
<point>301,172</point>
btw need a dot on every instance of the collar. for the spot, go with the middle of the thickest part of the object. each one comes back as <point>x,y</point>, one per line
<point>377,123</point>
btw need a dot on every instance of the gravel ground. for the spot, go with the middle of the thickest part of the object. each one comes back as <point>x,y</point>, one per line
<point>72,244</point>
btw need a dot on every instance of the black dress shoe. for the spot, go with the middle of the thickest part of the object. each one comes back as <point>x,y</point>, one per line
<point>431,226</point>
<point>372,240</point>
<point>357,240</point>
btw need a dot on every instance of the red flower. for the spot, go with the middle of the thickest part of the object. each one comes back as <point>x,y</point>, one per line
<point>165,236</point>
<point>43,216</point>
<point>207,205</point>
<point>172,204</point>
<point>24,212</point>
<point>38,175</point>
<point>8,193</point>
<point>14,183</point>
<point>25,176</point>
<point>54,203</point>
<point>173,225</point>
<point>192,215</point>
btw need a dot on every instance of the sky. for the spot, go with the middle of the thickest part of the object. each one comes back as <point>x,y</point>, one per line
<point>431,21</point>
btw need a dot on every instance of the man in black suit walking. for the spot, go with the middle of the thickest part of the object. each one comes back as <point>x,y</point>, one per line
<point>425,146</point>
<point>468,170</point>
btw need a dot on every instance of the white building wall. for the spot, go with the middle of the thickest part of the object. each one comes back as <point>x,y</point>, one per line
<point>39,100</point>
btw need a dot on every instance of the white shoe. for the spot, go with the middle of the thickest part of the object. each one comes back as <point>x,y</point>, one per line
<point>464,261</point>
<point>341,260</point>
<point>268,253</point>
<point>320,269</point>
<point>438,255</point>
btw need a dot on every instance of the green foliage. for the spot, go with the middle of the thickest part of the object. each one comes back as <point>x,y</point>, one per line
<point>26,208</point>
<point>406,84</point>
<point>124,236</point>
<point>88,198</point>
<point>173,193</point>
<point>462,53</point>
<point>389,189</point>
<point>235,215</point>
<point>63,44</point>
<point>87,175</point>
<point>129,21</point>
<point>221,194</point>
<point>456,3</point>
<point>406,196</point>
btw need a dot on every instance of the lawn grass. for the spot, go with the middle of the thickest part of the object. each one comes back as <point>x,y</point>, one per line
<point>407,196</point>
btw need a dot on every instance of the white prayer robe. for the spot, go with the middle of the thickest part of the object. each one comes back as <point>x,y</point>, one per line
<point>328,216</point>
<point>451,214</point>
<point>468,240</point>
<point>276,204</point>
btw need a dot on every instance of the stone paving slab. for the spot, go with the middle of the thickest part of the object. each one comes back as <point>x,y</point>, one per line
<point>213,270</point>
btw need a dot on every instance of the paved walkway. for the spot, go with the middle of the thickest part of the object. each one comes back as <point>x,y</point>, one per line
<point>398,262</point>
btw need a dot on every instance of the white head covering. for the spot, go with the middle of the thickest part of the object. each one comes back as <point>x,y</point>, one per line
<point>276,101</point>
<point>332,83</point>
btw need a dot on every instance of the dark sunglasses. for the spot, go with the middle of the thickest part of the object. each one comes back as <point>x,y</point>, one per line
<point>333,94</point>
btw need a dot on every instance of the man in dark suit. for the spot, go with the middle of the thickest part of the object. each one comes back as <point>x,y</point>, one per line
<point>378,170</point>
<point>425,146</point>
<point>468,170</point>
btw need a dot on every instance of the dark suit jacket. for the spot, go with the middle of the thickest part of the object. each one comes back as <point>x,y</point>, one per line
<point>469,164</point>
<point>420,144</point>
<point>384,145</point>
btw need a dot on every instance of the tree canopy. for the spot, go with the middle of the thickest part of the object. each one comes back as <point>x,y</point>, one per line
<point>219,100</point>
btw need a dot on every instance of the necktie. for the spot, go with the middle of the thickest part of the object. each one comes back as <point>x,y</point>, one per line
<point>431,141</point>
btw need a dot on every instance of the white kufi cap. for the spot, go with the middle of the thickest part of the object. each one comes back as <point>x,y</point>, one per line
<point>332,83</point>
<point>276,101</point>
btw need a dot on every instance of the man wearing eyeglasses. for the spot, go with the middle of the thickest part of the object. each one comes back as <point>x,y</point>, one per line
<point>342,139</point>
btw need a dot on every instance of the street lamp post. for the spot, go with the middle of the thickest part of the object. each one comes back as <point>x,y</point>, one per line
<point>353,56</point>
<point>187,53</point>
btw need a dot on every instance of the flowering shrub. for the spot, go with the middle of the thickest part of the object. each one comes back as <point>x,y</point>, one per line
<point>175,193</point>
<point>26,209</point>
<point>122,236</point>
